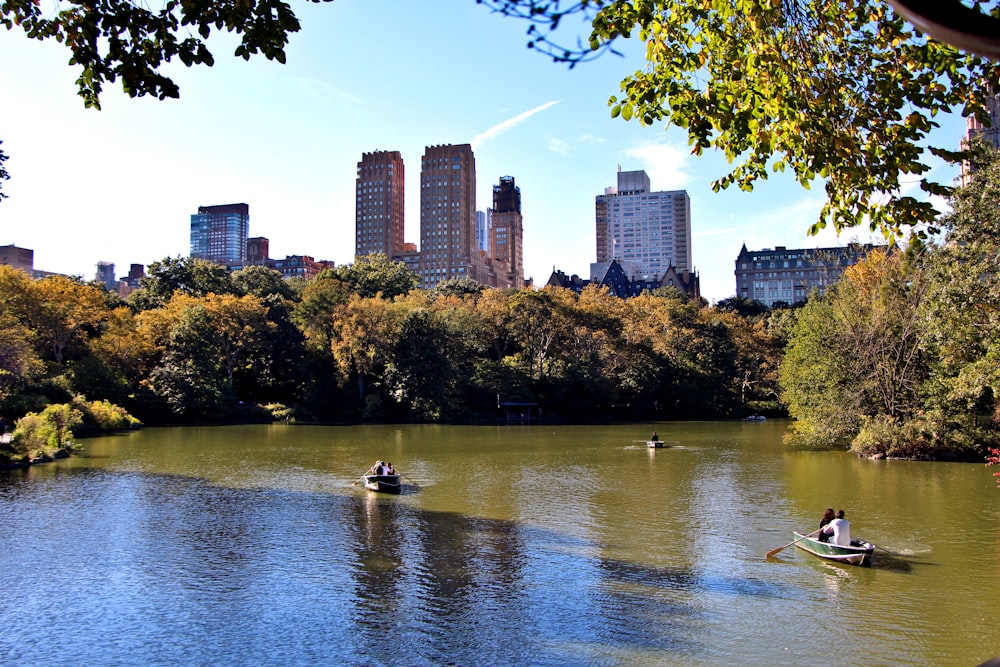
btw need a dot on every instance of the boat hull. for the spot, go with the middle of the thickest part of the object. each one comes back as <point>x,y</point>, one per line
<point>383,483</point>
<point>859,553</point>
<point>655,444</point>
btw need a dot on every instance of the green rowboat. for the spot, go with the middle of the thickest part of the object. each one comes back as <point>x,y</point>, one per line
<point>859,553</point>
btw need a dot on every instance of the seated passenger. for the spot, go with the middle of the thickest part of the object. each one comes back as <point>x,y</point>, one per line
<point>840,530</point>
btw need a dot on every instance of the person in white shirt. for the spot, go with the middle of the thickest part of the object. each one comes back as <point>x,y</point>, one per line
<point>839,530</point>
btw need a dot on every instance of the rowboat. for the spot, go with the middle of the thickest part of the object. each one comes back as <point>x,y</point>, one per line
<point>655,444</point>
<point>859,553</point>
<point>382,483</point>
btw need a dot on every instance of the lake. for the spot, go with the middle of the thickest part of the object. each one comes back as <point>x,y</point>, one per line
<point>523,545</point>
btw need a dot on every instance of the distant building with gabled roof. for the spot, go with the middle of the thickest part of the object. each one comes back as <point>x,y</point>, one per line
<point>616,277</point>
<point>789,275</point>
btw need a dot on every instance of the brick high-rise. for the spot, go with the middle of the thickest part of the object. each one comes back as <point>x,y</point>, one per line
<point>507,229</point>
<point>448,215</point>
<point>379,204</point>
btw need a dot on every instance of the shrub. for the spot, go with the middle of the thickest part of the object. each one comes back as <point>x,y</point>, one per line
<point>46,433</point>
<point>102,417</point>
<point>928,436</point>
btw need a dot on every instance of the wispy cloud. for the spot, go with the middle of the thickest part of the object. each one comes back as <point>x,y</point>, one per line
<point>559,146</point>
<point>316,89</point>
<point>500,128</point>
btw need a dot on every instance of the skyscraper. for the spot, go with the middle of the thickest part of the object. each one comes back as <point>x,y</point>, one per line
<point>106,275</point>
<point>483,230</point>
<point>448,215</point>
<point>219,234</point>
<point>507,229</point>
<point>379,204</point>
<point>647,231</point>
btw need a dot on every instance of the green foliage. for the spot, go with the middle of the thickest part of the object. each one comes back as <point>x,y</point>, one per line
<point>191,379</point>
<point>962,310</point>
<point>262,282</point>
<point>101,417</point>
<point>842,93</point>
<point>200,344</point>
<point>423,376</point>
<point>118,40</point>
<point>901,358</point>
<point>376,274</point>
<point>42,435</point>
<point>930,436</point>
<point>187,275</point>
<point>856,353</point>
<point>458,287</point>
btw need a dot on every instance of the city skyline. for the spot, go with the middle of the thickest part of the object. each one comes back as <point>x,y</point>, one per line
<point>119,185</point>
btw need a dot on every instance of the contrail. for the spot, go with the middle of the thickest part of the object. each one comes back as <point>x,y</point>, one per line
<point>500,128</point>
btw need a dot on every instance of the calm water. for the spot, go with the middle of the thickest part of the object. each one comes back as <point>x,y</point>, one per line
<point>511,545</point>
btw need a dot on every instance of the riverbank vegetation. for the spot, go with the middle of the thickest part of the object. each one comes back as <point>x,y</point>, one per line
<point>899,358</point>
<point>199,344</point>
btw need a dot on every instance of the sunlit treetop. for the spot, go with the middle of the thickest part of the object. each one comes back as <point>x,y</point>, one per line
<point>844,93</point>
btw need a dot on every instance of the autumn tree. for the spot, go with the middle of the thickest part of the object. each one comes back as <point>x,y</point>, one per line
<point>63,310</point>
<point>240,327</point>
<point>19,363</point>
<point>855,366</point>
<point>366,330</point>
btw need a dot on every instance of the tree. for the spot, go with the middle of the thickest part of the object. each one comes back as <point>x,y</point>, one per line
<point>241,331</point>
<point>314,313</point>
<point>963,305</point>
<point>121,40</point>
<point>742,306</point>
<point>843,92</point>
<point>376,274</point>
<point>64,308</point>
<point>422,373</point>
<point>190,378</point>
<point>366,331</point>
<point>19,364</point>
<point>189,275</point>
<point>855,365</point>
<point>262,282</point>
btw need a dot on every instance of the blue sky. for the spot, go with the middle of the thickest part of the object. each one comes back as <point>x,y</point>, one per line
<point>120,184</point>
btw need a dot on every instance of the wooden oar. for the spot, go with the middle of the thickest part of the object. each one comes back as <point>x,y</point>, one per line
<point>359,479</point>
<point>409,480</point>
<point>774,551</point>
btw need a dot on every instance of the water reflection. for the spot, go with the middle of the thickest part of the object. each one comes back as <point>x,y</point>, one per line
<point>137,557</point>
